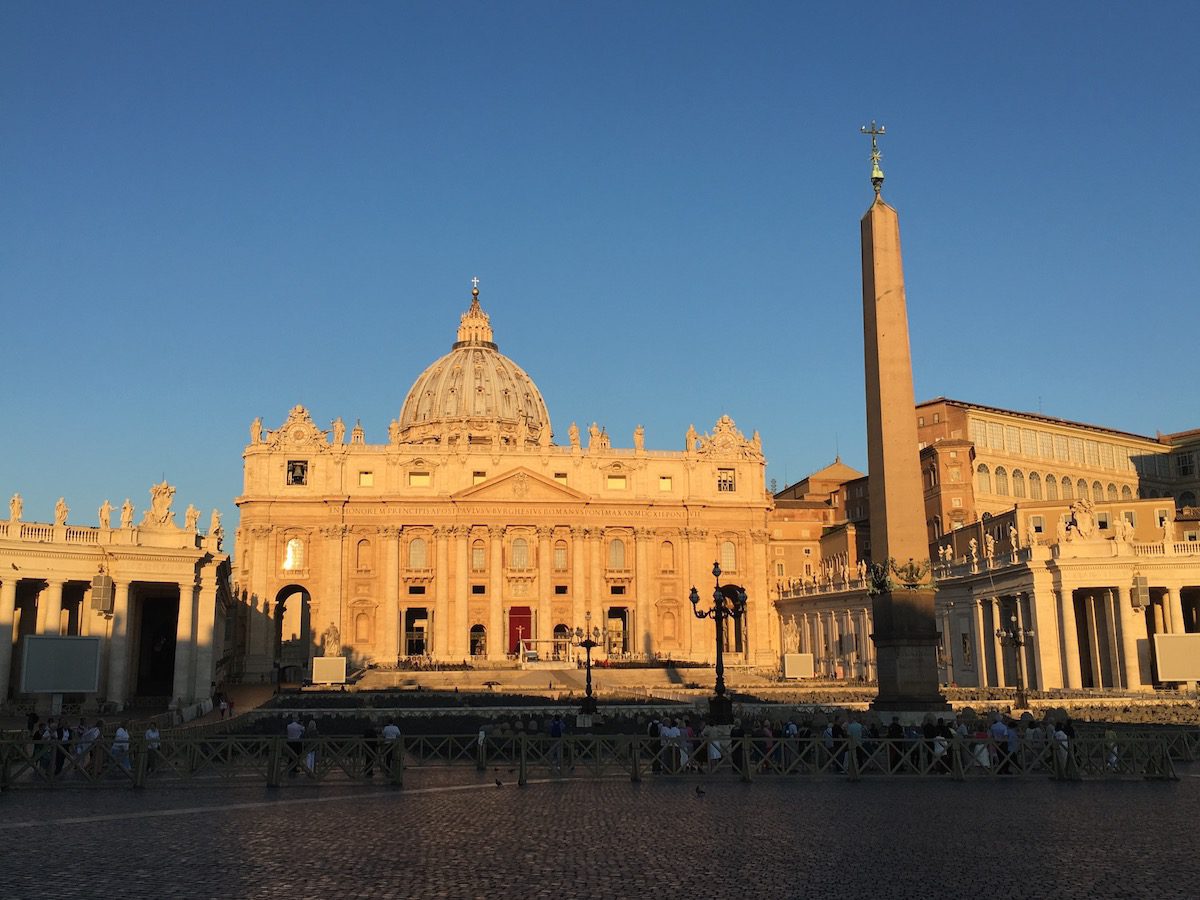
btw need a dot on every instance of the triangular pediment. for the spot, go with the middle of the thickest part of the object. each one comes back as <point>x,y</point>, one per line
<point>520,484</point>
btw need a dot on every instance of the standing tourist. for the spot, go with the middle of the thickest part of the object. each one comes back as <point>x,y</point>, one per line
<point>295,745</point>
<point>120,746</point>
<point>152,744</point>
<point>391,740</point>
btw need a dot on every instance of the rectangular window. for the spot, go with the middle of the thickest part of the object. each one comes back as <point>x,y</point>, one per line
<point>616,482</point>
<point>1107,459</point>
<point>1163,516</point>
<point>560,589</point>
<point>1102,521</point>
<point>808,551</point>
<point>779,569</point>
<point>1029,442</point>
<point>479,589</point>
<point>920,421</point>
<point>419,479</point>
<point>995,436</point>
<point>617,590</point>
<point>560,477</point>
<point>297,471</point>
<point>1045,445</point>
<point>1012,439</point>
<point>937,417</point>
<point>1091,453</point>
<point>366,479</point>
<point>1129,516</point>
<point>1075,449</point>
<point>1060,447</point>
<point>416,589</point>
<point>1185,465</point>
<point>477,477</point>
<point>560,559</point>
<point>478,558</point>
<point>1038,523</point>
<point>1192,536</point>
<point>725,480</point>
<point>664,482</point>
<point>978,432</point>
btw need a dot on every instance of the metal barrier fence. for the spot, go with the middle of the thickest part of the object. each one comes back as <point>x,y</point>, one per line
<point>277,761</point>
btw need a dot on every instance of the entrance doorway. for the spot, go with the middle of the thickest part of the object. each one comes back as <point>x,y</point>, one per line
<point>520,626</point>
<point>416,632</point>
<point>478,640</point>
<point>156,647</point>
<point>293,633</point>
<point>616,634</point>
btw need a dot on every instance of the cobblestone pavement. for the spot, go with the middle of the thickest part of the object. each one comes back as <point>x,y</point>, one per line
<point>456,834</point>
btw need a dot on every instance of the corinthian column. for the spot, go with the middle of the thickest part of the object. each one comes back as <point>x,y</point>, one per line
<point>579,579</point>
<point>497,641</point>
<point>441,594</point>
<point>643,641</point>
<point>545,590</point>
<point>387,644</point>
<point>183,688</point>
<point>460,642</point>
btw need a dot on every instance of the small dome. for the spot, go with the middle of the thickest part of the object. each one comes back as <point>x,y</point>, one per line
<point>474,393</point>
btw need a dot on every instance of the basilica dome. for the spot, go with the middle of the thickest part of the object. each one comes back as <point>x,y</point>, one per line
<point>474,393</point>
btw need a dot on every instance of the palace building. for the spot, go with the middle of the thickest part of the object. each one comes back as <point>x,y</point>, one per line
<point>472,535</point>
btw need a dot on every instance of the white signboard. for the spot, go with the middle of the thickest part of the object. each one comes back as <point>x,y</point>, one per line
<point>329,670</point>
<point>53,664</point>
<point>1178,656</point>
<point>797,665</point>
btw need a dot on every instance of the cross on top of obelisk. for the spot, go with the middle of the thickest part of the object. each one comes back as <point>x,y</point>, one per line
<point>876,173</point>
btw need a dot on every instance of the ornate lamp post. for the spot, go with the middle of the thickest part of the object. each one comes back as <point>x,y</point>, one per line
<point>588,638</point>
<point>728,601</point>
<point>1016,637</point>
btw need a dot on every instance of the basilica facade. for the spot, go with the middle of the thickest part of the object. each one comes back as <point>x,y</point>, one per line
<point>473,535</point>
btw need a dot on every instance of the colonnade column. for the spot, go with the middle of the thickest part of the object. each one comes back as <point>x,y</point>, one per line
<point>1043,604</point>
<point>1173,609</point>
<point>441,594</point>
<point>980,643</point>
<point>868,645</point>
<point>49,620</point>
<point>497,641</point>
<point>206,616</point>
<point>1134,641</point>
<point>997,644</point>
<point>578,577</point>
<point>1073,669</point>
<point>8,605</point>
<point>118,653</point>
<point>389,644</point>
<point>460,641</point>
<point>642,642</point>
<point>1093,627</point>
<point>1027,652</point>
<point>185,631</point>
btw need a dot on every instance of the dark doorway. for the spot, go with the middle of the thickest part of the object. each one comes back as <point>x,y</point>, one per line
<point>156,647</point>
<point>294,646</point>
<point>416,631</point>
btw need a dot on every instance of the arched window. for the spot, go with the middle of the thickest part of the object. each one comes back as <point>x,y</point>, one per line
<point>1068,488</point>
<point>983,478</point>
<point>1081,489</point>
<point>1112,492</point>
<point>1126,493</point>
<point>417,558</point>
<point>1097,491</point>
<point>520,553</point>
<point>363,556</point>
<point>478,557</point>
<point>616,554</point>
<point>937,526</point>
<point>1051,488</point>
<point>1035,486</point>
<point>1187,498</point>
<point>1001,481</point>
<point>562,634</point>
<point>478,639</point>
<point>728,556</point>
<point>362,628</point>
<point>293,555</point>
<point>560,556</point>
<point>1018,483</point>
<point>666,556</point>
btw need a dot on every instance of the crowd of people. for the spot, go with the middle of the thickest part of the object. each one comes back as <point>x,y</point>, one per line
<point>87,750</point>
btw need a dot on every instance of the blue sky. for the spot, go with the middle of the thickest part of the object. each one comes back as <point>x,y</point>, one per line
<point>213,211</point>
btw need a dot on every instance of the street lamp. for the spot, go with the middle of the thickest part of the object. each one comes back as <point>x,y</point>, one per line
<point>587,638</point>
<point>1016,637</point>
<point>728,601</point>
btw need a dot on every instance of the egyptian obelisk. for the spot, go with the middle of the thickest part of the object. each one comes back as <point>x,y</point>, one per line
<point>905,632</point>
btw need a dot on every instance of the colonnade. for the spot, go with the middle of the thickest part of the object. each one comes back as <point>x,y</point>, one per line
<point>839,641</point>
<point>194,635</point>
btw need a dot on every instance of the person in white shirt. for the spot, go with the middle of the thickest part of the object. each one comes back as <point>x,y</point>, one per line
<point>295,743</point>
<point>391,737</point>
<point>153,742</point>
<point>120,746</point>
